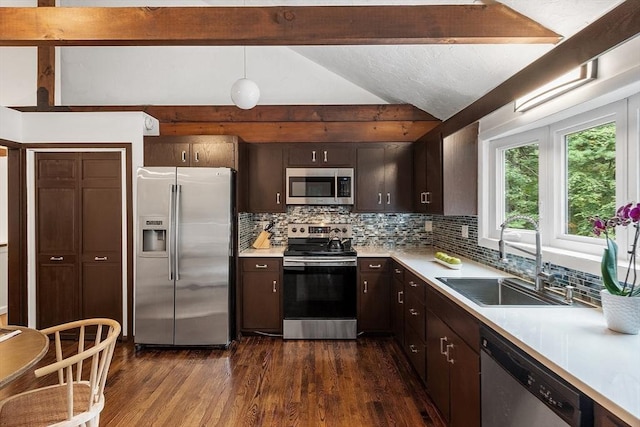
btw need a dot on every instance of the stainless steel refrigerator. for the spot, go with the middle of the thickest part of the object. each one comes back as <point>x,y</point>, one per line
<point>185,256</point>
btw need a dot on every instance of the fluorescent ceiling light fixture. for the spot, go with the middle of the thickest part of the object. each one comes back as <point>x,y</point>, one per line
<point>573,79</point>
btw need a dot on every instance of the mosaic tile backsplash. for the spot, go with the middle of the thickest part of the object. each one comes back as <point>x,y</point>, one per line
<point>407,230</point>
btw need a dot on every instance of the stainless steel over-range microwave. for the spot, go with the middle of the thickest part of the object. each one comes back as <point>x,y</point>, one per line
<point>319,186</point>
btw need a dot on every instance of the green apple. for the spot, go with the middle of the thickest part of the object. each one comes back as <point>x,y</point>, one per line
<point>454,260</point>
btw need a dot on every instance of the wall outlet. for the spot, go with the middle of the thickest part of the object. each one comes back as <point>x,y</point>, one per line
<point>465,231</point>
<point>428,226</point>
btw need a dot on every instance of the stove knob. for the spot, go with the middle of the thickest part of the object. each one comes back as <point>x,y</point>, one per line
<point>344,230</point>
<point>302,229</point>
<point>293,230</point>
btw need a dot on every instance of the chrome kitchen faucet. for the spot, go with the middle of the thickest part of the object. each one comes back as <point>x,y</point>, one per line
<point>541,276</point>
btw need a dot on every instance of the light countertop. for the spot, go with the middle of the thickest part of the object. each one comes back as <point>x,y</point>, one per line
<point>573,342</point>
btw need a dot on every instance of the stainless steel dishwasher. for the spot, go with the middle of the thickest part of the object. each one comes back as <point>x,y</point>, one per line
<point>517,391</point>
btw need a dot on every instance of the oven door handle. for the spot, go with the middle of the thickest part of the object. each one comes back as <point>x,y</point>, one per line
<point>299,262</point>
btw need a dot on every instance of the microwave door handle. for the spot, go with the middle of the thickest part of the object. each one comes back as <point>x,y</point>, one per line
<point>335,184</point>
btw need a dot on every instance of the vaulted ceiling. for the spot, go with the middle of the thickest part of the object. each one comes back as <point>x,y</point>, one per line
<point>438,78</point>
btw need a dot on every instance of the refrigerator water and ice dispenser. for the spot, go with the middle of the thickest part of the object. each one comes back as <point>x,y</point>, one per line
<point>154,237</point>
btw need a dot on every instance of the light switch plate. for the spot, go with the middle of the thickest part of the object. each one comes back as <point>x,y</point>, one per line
<point>465,231</point>
<point>428,226</point>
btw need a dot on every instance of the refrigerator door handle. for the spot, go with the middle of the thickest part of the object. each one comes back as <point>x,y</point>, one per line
<point>177,225</point>
<point>172,191</point>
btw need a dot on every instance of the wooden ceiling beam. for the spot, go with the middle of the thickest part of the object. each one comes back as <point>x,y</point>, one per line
<point>268,26</point>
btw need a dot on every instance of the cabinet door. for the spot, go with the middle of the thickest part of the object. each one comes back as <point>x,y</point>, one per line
<point>374,303</point>
<point>261,301</point>
<point>433,166</point>
<point>266,180</point>
<point>419,176</point>
<point>604,418</point>
<point>438,335</point>
<point>321,156</point>
<point>370,177</point>
<point>397,314</point>
<point>213,155</point>
<point>157,153</point>
<point>464,385</point>
<point>398,178</point>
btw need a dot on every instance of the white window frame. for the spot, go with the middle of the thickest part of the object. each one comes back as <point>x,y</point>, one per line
<point>577,252</point>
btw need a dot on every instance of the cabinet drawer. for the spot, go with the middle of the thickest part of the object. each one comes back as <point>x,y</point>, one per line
<point>373,264</point>
<point>415,314</point>
<point>462,323</point>
<point>397,271</point>
<point>415,285</point>
<point>260,264</point>
<point>416,351</point>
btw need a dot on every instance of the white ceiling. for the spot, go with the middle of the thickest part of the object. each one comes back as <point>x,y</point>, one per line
<point>439,79</point>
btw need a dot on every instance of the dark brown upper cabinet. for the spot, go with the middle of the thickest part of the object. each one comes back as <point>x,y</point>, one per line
<point>266,178</point>
<point>192,151</point>
<point>384,178</point>
<point>446,173</point>
<point>325,155</point>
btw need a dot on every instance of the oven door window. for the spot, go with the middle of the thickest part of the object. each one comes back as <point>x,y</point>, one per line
<point>319,292</point>
<point>311,186</point>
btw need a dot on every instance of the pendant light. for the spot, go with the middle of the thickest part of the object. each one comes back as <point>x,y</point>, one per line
<point>245,93</point>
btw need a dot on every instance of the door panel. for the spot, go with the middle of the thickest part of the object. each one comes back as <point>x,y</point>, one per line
<point>101,220</point>
<point>204,250</point>
<point>56,221</point>
<point>57,294</point>
<point>100,282</point>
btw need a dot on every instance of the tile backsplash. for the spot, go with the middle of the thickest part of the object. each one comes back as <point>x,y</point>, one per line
<point>408,230</point>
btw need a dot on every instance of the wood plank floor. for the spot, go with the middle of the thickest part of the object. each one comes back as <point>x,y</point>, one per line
<point>261,381</point>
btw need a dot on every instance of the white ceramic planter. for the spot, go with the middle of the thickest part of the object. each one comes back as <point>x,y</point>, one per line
<point>622,314</point>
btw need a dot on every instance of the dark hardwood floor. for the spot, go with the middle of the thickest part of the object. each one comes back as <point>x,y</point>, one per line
<point>261,381</point>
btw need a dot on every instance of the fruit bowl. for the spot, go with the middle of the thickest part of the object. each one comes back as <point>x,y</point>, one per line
<point>451,262</point>
<point>446,264</point>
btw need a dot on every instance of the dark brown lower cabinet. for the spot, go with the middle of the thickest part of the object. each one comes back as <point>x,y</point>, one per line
<point>453,363</point>
<point>78,236</point>
<point>261,295</point>
<point>374,290</point>
<point>397,308</point>
<point>604,418</point>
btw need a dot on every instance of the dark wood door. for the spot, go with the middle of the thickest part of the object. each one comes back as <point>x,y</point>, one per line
<point>158,153</point>
<point>435,204</point>
<point>321,156</point>
<point>437,366</point>
<point>419,176</point>
<point>266,178</point>
<point>213,155</point>
<point>374,313</point>
<point>78,237</point>
<point>57,238</point>
<point>397,310</point>
<point>464,385</point>
<point>370,177</point>
<point>398,178</point>
<point>261,301</point>
<point>101,243</point>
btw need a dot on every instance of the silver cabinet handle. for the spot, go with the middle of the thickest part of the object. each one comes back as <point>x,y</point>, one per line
<point>413,284</point>
<point>423,197</point>
<point>100,258</point>
<point>184,156</point>
<point>413,348</point>
<point>427,197</point>
<point>277,198</point>
<point>414,312</point>
<point>448,353</point>
<point>197,156</point>
<point>366,286</point>
<point>274,286</point>
<point>442,341</point>
<point>388,198</point>
<point>398,271</point>
<point>379,198</point>
<point>56,258</point>
<point>400,295</point>
<point>375,266</point>
<point>313,156</point>
<point>325,156</point>
<point>261,265</point>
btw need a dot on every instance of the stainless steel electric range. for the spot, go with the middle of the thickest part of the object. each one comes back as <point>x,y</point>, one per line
<point>319,297</point>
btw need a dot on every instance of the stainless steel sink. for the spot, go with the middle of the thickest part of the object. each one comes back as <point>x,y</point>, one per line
<point>500,291</point>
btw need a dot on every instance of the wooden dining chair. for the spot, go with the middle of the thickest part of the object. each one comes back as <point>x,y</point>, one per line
<point>78,398</point>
